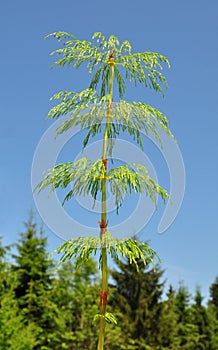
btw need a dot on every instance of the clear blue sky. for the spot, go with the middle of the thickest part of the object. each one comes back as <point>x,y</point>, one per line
<point>184,31</point>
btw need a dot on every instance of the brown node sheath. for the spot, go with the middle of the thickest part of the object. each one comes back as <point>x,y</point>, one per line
<point>111,60</point>
<point>105,163</point>
<point>103,226</point>
<point>111,56</point>
<point>103,297</point>
<point>111,104</point>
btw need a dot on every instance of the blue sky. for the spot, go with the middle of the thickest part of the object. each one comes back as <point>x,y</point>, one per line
<point>185,32</point>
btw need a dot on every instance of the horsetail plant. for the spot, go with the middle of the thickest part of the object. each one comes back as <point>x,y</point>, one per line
<point>93,109</point>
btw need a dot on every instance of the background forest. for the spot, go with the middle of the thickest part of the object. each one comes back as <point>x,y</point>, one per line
<point>45,307</point>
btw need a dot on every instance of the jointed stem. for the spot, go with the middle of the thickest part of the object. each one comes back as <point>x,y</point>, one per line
<point>103,223</point>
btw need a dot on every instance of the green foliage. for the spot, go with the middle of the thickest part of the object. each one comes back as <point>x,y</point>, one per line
<point>214,295</point>
<point>188,336</point>
<point>143,68</point>
<point>169,322</point>
<point>213,326</point>
<point>5,275</point>
<point>32,269</point>
<point>133,178</point>
<point>88,111</point>
<point>86,177</point>
<point>136,298</point>
<point>75,292</point>
<point>13,334</point>
<point>109,317</point>
<point>31,261</point>
<point>200,319</point>
<point>85,174</point>
<point>82,248</point>
<point>74,103</point>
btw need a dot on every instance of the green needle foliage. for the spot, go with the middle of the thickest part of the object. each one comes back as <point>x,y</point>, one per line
<point>93,109</point>
<point>141,68</point>
<point>86,177</point>
<point>83,247</point>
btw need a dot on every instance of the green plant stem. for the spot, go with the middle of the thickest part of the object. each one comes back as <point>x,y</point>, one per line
<point>103,223</point>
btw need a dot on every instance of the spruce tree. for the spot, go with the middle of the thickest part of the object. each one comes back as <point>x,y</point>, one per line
<point>32,270</point>
<point>214,295</point>
<point>137,299</point>
<point>110,62</point>
<point>213,326</point>
<point>200,319</point>
<point>15,333</point>
<point>187,331</point>
<point>5,276</point>
<point>212,312</point>
<point>75,294</point>
<point>169,325</point>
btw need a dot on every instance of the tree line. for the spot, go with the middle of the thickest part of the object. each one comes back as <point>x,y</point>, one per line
<point>45,307</point>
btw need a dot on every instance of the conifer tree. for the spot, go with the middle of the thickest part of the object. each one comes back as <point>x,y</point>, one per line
<point>5,276</point>
<point>31,267</point>
<point>169,325</point>
<point>110,62</point>
<point>200,319</point>
<point>187,331</point>
<point>214,295</point>
<point>137,297</point>
<point>213,326</point>
<point>15,333</point>
<point>32,270</point>
<point>75,294</point>
<point>212,312</point>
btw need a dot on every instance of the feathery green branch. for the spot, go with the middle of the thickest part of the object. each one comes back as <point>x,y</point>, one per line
<point>82,248</point>
<point>85,178</point>
<point>143,68</point>
<point>88,111</point>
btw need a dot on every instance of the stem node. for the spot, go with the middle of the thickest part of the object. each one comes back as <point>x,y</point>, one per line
<point>103,226</point>
<point>103,297</point>
<point>104,161</point>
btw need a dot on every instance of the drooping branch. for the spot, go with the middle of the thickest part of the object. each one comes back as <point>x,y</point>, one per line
<point>82,248</point>
<point>144,68</point>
